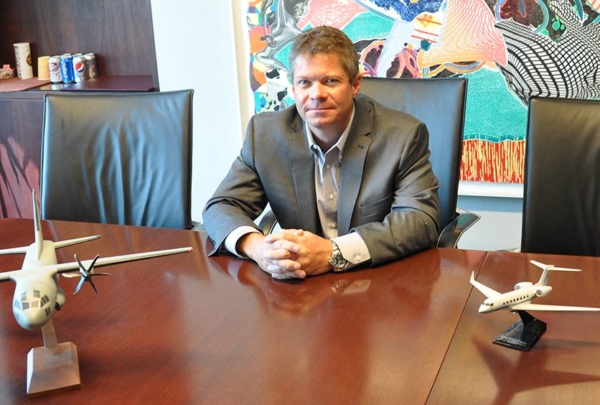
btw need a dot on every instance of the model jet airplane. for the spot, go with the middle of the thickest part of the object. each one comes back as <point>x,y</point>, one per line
<point>37,294</point>
<point>520,298</point>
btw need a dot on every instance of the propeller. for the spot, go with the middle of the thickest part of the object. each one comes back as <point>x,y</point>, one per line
<point>87,274</point>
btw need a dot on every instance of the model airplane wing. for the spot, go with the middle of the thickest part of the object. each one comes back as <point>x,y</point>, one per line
<point>485,290</point>
<point>8,275</point>
<point>525,306</point>
<point>69,242</point>
<point>11,251</point>
<point>69,267</point>
<point>59,244</point>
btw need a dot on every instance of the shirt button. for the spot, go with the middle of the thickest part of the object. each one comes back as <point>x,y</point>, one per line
<point>331,196</point>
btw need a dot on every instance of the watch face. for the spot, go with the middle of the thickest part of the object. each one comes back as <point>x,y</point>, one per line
<point>338,262</point>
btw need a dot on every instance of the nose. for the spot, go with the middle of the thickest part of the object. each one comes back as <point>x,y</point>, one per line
<point>318,91</point>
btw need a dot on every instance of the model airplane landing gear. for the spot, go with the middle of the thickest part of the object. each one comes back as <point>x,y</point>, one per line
<point>53,367</point>
<point>523,334</point>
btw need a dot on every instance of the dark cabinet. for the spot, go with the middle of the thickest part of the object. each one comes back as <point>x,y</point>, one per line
<point>119,32</point>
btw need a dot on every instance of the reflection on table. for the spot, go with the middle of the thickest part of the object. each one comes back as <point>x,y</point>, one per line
<point>192,329</point>
<point>561,368</point>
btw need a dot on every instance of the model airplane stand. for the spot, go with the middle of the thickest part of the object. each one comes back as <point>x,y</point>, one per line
<point>52,368</point>
<point>523,334</point>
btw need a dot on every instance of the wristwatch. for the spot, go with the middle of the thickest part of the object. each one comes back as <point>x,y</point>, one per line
<point>337,260</point>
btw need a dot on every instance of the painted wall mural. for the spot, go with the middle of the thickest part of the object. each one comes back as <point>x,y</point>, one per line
<point>509,50</point>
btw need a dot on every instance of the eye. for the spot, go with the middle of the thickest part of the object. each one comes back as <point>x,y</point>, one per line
<point>302,82</point>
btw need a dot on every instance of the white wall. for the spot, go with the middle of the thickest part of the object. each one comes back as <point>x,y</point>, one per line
<point>195,50</point>
<point>499,227</point>
<point>199,46</point>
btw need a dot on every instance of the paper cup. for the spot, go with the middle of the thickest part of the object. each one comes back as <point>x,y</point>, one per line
<point>23,60</point>
<point>43,69</point>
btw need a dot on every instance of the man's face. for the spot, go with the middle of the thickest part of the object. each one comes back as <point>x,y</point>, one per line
<point>324,94</point>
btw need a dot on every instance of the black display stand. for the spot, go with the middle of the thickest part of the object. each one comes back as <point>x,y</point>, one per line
<point>524,334</point>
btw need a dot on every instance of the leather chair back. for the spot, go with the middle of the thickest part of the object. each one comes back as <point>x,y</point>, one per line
<point>118,158</point>
<point>561,202</point>
<point>440,104</point>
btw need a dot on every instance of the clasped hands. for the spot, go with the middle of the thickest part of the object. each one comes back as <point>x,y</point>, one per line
<point>290,253</point>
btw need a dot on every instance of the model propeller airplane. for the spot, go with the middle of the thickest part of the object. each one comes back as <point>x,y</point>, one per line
<point>37,293</point>
<point>520,298</point>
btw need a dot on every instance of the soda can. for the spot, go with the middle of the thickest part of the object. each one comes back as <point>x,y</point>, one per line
<point>66,68</point>
<point>80,68</point>
<point>92,66</point>
<point>54,68</point>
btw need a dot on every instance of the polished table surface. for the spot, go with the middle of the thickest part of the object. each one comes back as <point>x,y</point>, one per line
<point>191,329</point>
<point>564,365</point>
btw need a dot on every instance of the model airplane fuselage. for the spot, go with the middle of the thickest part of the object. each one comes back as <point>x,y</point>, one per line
<point>520,298</point>
<point>37,293</point>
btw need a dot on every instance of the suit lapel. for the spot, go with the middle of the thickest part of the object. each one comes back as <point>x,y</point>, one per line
<point>353,161</point>
<point>303,176</point>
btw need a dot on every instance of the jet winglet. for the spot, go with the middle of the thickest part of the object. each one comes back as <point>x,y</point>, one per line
<point>485,290</point>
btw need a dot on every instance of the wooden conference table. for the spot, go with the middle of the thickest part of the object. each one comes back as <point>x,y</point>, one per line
<point>191,329</point>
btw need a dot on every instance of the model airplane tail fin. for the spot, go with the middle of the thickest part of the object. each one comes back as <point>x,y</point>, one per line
<point>39,237</point>
<point>547,268</point>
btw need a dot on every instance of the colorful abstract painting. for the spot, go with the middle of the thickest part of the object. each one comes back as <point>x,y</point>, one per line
<point>510,50</point>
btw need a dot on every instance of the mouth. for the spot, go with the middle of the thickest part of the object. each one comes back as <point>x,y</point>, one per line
<point>318,109</point>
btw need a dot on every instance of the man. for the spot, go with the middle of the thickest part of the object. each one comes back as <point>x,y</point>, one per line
<point>348,180</point>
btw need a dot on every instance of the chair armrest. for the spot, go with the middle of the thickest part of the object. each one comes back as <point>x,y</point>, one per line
<point>197,226</point>
<point>267,222</point>
<point>453,231</point>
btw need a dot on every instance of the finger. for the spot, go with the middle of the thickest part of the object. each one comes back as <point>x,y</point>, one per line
<point>286,234</point>
<point>282,266</point>
<point>281,245</point>
<point>275,254</point>
<point>289,275</point>
<point>274,237</point>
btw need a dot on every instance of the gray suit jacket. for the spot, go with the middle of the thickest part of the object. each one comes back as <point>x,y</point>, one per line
<point>388,192</point>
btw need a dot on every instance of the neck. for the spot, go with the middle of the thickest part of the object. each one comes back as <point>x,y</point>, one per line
<point>325,139</point>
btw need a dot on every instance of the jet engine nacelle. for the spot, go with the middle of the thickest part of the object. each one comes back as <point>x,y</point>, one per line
<point>542,291</point>
<point>524,284</point>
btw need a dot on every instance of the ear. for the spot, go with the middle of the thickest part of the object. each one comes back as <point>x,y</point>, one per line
<point>356,85</point>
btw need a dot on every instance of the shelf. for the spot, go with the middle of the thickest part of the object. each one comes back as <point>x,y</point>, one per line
<point>104,83</point>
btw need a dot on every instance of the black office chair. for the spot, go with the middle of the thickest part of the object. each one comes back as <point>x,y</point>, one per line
<point>440,104</point>
<point>561,202</point>
<point>118,158</point>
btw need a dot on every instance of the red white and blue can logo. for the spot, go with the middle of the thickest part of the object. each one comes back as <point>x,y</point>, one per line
<point>80,68</point>
<point>54,68</point>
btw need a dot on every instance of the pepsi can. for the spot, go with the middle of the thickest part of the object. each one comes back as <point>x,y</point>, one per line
<point>92,66</point>
<point>66,68</point>
<point>80,70</point>
<point>54,68</point>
